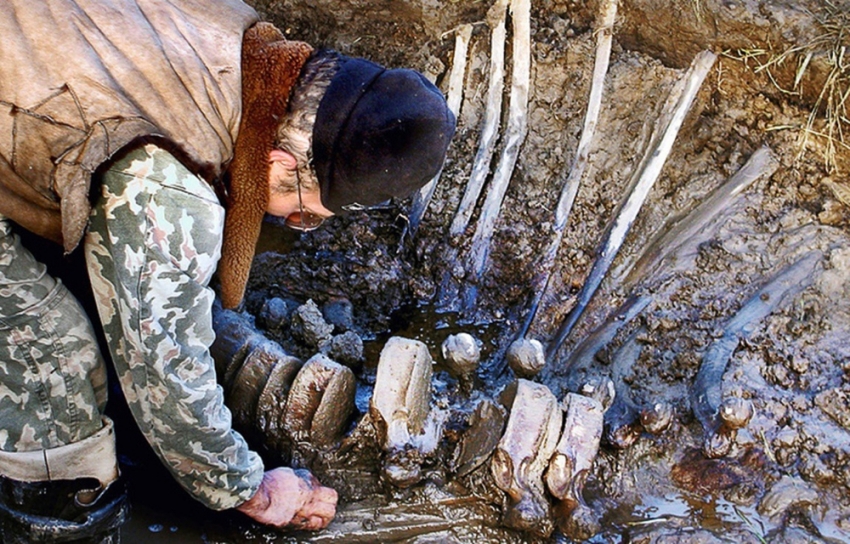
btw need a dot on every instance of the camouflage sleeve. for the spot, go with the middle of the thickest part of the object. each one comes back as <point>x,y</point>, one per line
<point>152,246</point>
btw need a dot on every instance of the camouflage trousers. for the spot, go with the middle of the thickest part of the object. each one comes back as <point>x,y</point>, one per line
<point>52,375</point>
<point>152,246</point>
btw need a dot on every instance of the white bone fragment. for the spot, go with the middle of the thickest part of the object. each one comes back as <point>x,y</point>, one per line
<point>682,236</point>
<point>401,400</point>
<point>492,113</point>
<point>577,448</point>
<point>455,97</point>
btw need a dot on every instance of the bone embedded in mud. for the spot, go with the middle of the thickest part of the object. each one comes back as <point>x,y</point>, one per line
<point>515,134</point>
<point>250,380</point>
<point>661,143</point>
<point>272,402</point>
<point>523,454</point>
<point>492,114</point>
<point>604,32</point>
<point>736,412</point>
<point>601,390</point>
<point>571,464</point>
<point>526,358</point>
<point>706,392</point>
<point>455,97</point>
<point>235,337</point>
<point>657,417</point>
<point>402,392</point>
<point>319,403</point>
<point>400,407</point>
<point>684,235</point>
<point>455,272</point>
<point>622,420</point>
<point>478,442</point>
<point>577,448</point>
<point>461,355</point>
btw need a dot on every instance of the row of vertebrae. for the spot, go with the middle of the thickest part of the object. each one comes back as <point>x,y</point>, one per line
<point>540,451</point>
<point>277,400</point>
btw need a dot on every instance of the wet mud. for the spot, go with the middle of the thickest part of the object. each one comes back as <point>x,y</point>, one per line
<point>716,344</point>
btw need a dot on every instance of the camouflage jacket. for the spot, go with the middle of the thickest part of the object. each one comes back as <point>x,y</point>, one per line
<point>148,68</point>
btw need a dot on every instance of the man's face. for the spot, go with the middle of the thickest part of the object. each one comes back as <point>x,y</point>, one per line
<point>283,168</point>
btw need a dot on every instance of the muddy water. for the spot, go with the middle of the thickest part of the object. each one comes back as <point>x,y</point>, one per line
<point>787,475</point>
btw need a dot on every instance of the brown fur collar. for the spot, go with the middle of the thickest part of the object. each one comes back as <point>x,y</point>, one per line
<point>270,67</point>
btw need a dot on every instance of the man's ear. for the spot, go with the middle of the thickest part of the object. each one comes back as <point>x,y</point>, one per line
<point>285,158</point>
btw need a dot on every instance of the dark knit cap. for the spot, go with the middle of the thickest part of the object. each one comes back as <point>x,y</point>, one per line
<point>378,134</point>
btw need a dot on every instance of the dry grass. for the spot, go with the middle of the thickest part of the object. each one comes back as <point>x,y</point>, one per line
<point>829,120</point>
<point>697,7</point>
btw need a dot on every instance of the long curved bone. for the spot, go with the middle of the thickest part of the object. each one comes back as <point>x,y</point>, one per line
<point>706,393</point>
<point>661,143</point>
<point>683,236</point>
<point>455,97</point>
<point>514,137</point>
<point>604,34</point>
<point>492,113</point>
<point>496,17</point>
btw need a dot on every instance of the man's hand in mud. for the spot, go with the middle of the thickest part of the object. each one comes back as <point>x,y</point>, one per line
<point>291,499</point>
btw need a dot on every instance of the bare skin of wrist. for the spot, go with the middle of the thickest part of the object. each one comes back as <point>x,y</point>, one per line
<point>293,499</point>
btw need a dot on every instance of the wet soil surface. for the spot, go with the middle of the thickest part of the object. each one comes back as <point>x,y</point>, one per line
<point>786,477</point>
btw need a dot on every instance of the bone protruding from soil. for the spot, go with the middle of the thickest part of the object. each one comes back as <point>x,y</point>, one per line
<point>657,417</point>
<point>706,393</point>
<point>400,407</point>
<point>526,358</point>
<point>585,352</point>
<point>523,454</point>
<point>455,98</point>
<point>601,390</point>
<point>250,379</point>
<point>496,18</point>
<point>235,338</point>
<point>604,34</point>
<point>622,419</point>
<point>515,133</point>
<point>461,356</point>
<point>486,425</point>
<point>661,143</point>
<point>573,461</point>
<point>680,238</point>
<point>319,403</point>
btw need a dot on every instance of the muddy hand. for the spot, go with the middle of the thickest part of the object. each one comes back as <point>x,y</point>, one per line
<point>291,499</point>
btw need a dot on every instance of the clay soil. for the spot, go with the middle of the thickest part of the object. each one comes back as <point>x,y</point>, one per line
<point>794,364</point>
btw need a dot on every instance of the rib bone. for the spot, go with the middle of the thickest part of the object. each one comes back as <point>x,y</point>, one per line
<point>481,165</point>
<point>684,235</point>
<point>514,137</point>
<point>455,97</point>
<point>492,112</point>
<point>661,143</point>
<point>706,393</point>
<point>604,33</point>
